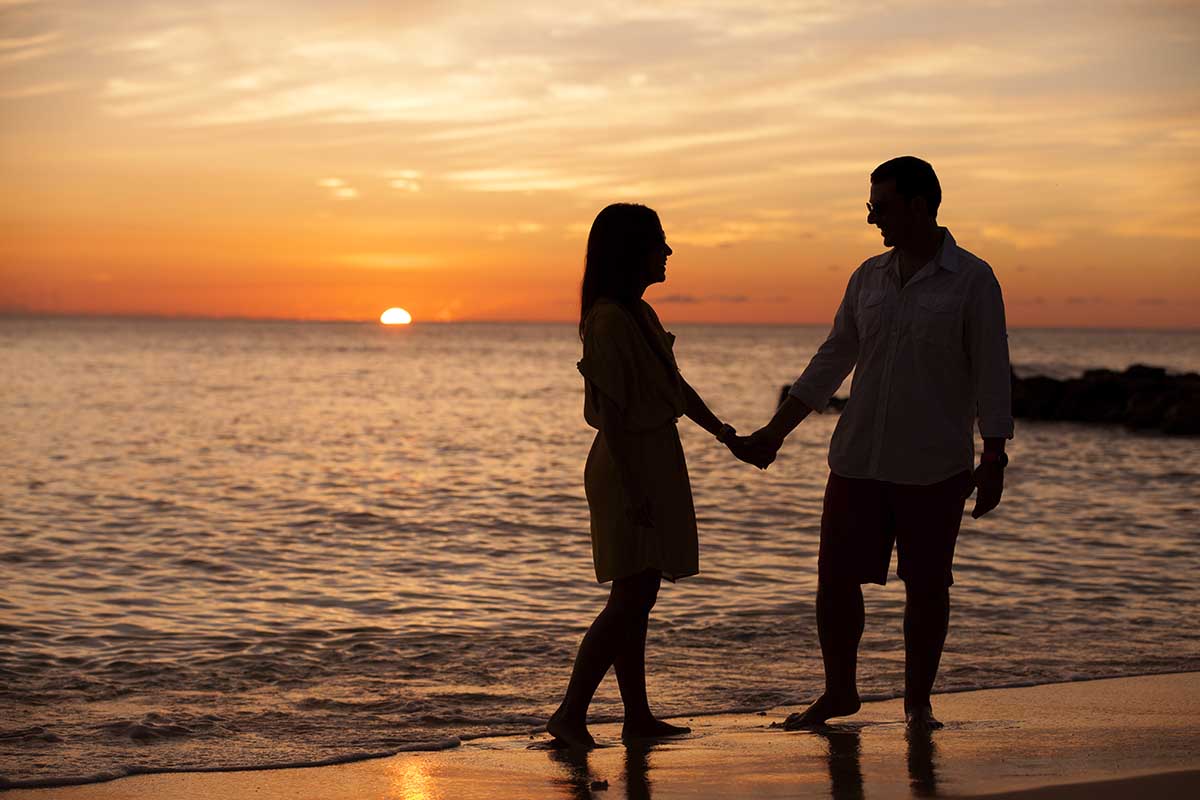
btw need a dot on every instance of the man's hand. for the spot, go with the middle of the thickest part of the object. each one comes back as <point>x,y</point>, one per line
<point>742,447</point>
<point>989,481</point>
<point>759,448</point>
<point>766,440</point>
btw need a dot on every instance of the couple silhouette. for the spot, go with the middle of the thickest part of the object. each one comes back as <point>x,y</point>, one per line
<point>922,326</point>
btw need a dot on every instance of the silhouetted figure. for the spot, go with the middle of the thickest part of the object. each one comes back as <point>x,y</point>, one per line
<point>922,774</point>
<point>577,780</point>
<point>922,326</point>
<point>643,524</point>
<point>845,764</point>
<point>637,770</point>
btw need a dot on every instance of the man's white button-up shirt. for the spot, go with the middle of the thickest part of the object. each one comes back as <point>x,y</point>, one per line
<point>929,359</point>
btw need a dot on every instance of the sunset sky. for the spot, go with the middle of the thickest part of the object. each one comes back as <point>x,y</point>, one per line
<point>317,159</point>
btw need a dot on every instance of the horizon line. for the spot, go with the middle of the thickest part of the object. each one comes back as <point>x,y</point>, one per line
<point>29,314</point>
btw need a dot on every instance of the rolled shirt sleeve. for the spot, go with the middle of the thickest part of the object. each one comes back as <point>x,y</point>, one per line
<point>835,357</point>
<point>930,361</point>
<point>987,343</point>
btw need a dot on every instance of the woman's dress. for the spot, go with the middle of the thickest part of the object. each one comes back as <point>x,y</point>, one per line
<point>634,366</point>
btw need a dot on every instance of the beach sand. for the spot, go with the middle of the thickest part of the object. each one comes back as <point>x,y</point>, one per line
<point>1123,737</point>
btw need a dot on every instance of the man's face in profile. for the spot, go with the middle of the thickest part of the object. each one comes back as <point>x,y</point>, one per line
<point>890,212</point>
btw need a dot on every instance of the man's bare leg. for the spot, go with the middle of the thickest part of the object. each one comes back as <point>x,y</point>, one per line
<point>926,620</point>
<point>840,620</point>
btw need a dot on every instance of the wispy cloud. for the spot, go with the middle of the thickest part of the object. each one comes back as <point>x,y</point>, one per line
<point>406,180</point>
<point>750,127</point>
<point>389,261</point>
<point>691,299</point>
<point>338,188</point>
<point>509,179</point>
<point>717,232</point>
<point>503,231</point>
<point>15,50</point>
<point>1022,238</point>
<point>37,90</point>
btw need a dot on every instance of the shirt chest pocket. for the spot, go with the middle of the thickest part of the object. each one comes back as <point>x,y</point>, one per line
<point>869,313</point>
<point>936,319</point>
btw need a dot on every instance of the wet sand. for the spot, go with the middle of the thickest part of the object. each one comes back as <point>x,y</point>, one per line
<point>1124,737</point>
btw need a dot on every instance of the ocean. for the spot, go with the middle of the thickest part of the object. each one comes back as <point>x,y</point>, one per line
<point>241,544</point>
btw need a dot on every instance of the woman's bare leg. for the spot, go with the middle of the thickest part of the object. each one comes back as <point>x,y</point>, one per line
<point>617,638</point>
<point>630,666</point>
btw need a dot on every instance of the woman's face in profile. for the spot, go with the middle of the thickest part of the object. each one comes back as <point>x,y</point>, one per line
<point>656,260</point>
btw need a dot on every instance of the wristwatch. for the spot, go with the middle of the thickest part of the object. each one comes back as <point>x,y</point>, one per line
<point>991,457</point>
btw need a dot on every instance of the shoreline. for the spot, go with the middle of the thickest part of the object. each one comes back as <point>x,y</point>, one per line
<point>996,742</point>
<point>1179,783</point>
<point>452,742</point>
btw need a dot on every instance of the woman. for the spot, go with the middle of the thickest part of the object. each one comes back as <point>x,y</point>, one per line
<point>642,520</point>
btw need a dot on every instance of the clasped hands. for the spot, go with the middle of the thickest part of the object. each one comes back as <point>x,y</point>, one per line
<point>759,448</point>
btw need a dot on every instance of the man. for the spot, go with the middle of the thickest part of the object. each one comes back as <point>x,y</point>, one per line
<point>923,327</point>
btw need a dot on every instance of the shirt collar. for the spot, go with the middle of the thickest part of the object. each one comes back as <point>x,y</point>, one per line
<point>946,256</point>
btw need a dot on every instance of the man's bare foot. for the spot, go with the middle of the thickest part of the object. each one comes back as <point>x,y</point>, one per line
<point>921,719</point>
<point>651,729</point>
<point>827,707</point>
<point>570,733</point>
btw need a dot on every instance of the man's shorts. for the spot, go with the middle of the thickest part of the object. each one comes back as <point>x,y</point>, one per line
<point>862,518</point>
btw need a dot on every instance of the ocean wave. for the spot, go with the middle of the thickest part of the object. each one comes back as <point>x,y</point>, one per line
<point>148,730</point>
<point>133,769</point>
<point>341,554</point>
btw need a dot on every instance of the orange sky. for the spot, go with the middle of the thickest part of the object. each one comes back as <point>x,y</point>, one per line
<point>317,160</point>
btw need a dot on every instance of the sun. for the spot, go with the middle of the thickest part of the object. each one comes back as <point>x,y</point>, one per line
<point>395,316</point>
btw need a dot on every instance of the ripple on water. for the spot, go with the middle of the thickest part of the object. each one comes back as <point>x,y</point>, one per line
<point>317,557</point>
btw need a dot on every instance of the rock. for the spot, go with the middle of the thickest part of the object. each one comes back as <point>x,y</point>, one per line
<point>1183,417</point>
<point>1099,396</point>
<point>1036,397</point>
<point>1141,397</point>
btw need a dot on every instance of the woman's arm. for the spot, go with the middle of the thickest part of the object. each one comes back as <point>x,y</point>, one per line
<point>698,412</point>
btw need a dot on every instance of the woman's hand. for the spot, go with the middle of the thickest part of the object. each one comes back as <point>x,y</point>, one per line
<point>641,512</point>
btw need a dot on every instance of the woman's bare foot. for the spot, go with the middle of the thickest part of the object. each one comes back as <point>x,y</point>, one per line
<point>825,708</point>
<point>571,733</point>
<point>651,729</point>
<point>921,719</point>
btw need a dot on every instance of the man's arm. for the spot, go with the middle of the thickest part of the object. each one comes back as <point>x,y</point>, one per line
<point>824,374</point>
<point>699,412</point>
<point>787,417</point>
<point>987,342</point>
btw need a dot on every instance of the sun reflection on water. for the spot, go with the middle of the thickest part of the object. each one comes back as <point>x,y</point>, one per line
<point>411,780</point>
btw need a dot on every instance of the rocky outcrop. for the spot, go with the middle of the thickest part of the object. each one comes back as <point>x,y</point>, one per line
<point>1141,397</point>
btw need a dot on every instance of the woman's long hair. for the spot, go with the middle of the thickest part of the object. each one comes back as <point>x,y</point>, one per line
<point>621,236</point>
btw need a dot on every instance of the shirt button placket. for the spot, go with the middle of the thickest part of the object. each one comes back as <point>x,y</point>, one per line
<point>885,388</point>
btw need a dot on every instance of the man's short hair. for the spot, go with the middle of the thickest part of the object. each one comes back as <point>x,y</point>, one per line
<point>914,178</point>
